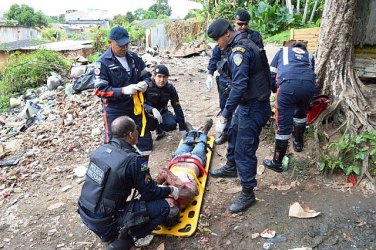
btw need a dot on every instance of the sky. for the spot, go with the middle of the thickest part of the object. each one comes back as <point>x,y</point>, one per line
<point>57,7</point>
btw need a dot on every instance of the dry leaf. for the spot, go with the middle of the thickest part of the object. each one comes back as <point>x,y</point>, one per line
<point>347,236</point>
<point>161,247</point>
<point>302,211</point>
<point>255,235</point>
<point>260,169</point>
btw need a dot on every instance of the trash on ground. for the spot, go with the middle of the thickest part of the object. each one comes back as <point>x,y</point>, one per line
<point>10,162</point>
<point>302,211</point>
<point>268,233</point>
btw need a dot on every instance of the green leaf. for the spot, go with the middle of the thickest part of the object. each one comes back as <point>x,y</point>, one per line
<point>356,169</point>
<point>359,156</point>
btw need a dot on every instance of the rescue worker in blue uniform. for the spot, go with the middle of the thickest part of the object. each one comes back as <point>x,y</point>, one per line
<point>120,73</point>
<point>292,71</point>
<point>158,94</point>
<point>218,61</point>
<point>248,101</point>
<point>114,170</point>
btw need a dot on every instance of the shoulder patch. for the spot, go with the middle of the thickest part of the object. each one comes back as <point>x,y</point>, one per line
<point>147,179</point>
<point>240,49</point>
<point>142,163</point>
<point>97,68</point>
<point>238,59</point>
<point>144,166</point>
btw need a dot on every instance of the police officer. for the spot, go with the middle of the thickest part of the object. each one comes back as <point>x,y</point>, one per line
<point>249,96</point>
<point>158,94</point>
<point>114,170</point>
<point>120,73</point>
<point>293,67</point>
<point>218,62</point>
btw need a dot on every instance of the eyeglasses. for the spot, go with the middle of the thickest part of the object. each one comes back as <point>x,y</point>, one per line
<point>242,24</point>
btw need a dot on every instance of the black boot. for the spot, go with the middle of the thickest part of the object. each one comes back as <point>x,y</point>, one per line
<point>279,153</point>
<point>222,138</point>
<point>243,201</point>
<point>228,170</point>
<point>122,243</point>
<point>299,129</point>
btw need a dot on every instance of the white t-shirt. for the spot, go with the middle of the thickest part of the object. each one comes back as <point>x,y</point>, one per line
<point>123,61</point>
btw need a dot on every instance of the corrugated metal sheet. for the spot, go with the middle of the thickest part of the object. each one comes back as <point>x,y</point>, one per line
<point>159,38</point>
<point>62,45</point>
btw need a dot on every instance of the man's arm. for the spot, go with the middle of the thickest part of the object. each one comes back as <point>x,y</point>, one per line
<point>274,71</point>
<point>216,57</point>
<point>144,183</point>
<point>240,68</point>
<point>175,103</point>
<point>103,88</point>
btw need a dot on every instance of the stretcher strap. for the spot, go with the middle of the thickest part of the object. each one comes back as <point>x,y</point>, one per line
<point>187,158</point>
<point>138,100</point>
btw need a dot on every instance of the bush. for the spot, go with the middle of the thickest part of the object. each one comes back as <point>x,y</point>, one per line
<point>53,34</point>
<point>348,153</point>
<point>272,19</point>
<point>25,71</point>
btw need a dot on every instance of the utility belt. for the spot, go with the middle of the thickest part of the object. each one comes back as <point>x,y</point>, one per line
<point>97,222</point>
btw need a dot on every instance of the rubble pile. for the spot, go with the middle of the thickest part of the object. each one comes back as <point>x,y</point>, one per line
<point>62,132</point>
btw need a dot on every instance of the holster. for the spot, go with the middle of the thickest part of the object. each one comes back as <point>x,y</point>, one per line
<point>133,220</point>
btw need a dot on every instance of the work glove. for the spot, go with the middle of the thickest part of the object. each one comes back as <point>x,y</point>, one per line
<point>130,89</point>
<point>157,115</point>
<point>175,192</point>
<point>209,82</point>
<point>221,124</point>
<point>143,85</point>
<point>183,133</point>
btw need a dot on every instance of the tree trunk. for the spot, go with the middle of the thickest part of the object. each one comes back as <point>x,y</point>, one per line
<point>335,65</point>
<point>353,103</point>
<point>305,11</point>
<point>297,6</point>
<point>313,11</point>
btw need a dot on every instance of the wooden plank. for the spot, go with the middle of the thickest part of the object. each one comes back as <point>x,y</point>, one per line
<point>309,34</point>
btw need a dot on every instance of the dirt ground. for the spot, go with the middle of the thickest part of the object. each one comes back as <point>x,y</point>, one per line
<point>39,211</point>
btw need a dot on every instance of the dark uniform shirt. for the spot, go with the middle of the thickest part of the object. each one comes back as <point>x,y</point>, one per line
<point>159,97</point>
<point>113,76</point>
<point>241,64</point>
<point>249,73</point>
<point>292,63</point>
<point>106,190</point>
<point>217,56</point>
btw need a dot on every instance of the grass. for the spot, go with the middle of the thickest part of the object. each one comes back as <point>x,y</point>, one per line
<point>278,38</point>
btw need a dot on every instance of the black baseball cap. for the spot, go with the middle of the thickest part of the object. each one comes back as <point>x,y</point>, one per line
<point>218,28</point>
<point>162,69</point>
<point>120,35</point>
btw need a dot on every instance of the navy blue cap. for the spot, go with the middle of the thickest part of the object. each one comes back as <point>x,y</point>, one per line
<point>120,35</point>
<point>242,15</point>
<point>218,28</point>
<point>162,69</point>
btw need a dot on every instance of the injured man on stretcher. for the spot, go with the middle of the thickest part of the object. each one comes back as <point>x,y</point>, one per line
<point>182,171</point>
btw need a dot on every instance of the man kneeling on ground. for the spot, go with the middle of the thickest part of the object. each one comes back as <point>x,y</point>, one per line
<point>114,170</point>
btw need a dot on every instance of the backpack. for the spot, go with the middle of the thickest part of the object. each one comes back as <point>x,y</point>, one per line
<point>317,105</point>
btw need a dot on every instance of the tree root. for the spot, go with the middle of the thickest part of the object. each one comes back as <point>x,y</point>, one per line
<point>364,170</point>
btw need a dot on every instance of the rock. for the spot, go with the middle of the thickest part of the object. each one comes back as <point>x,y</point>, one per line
<point>143,242</point>
<point>56,206</point>
<point>53,81</point>
<point>66,188</point>
<point>80,171</point>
